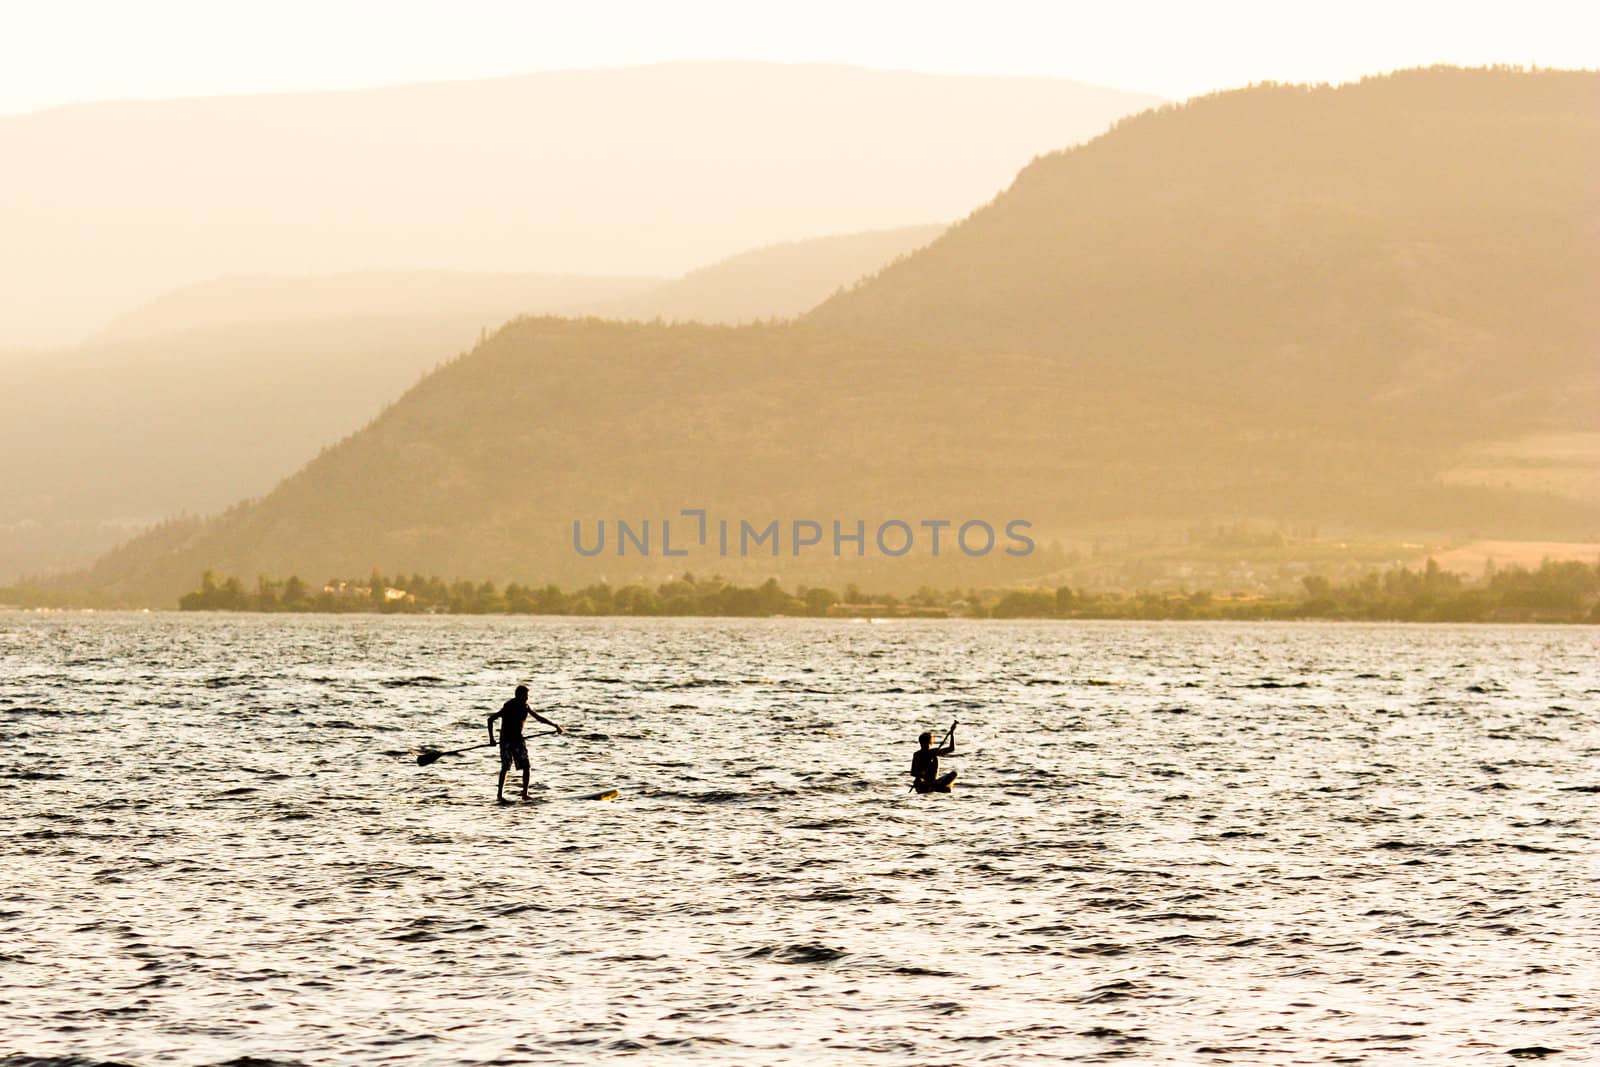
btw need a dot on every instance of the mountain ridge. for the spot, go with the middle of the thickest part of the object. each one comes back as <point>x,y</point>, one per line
<point>1101,343</point>
<point>218,390</point>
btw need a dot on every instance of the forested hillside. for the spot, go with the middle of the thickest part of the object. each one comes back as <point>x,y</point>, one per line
<point>219,390</point>
<point>1292,302</point>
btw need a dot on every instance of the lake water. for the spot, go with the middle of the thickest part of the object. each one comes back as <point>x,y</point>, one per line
<point>1170,843</point>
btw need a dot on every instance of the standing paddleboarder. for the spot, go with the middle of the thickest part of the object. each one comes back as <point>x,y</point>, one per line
<point>513,748</point>
<point>925,777</point>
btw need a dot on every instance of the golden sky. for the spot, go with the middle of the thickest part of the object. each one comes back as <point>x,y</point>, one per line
<point>58,51</point>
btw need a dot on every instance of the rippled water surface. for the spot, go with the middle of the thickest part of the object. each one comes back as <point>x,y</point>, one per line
<point>1169,843</point>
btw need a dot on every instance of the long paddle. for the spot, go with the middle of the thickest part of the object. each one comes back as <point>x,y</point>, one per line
<point>429,755</point>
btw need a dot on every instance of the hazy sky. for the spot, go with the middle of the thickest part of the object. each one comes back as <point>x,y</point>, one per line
<point>58,51</point>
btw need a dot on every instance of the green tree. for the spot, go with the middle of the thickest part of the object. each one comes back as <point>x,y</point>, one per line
<point>819,600</point>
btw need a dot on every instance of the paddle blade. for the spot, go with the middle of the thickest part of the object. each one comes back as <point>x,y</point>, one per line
<point>428,757</point>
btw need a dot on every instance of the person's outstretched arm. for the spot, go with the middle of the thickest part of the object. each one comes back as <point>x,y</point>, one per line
<point>547,722</point>
<point>949,744</point>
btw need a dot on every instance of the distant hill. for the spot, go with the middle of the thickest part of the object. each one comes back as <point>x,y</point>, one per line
<point>777,281</point>
<point>1305,303</point>
<point>648,170</point>
<point>1413,256</point>
<point>483,466</point>
<point>218,390</point>
<point>107,438</point>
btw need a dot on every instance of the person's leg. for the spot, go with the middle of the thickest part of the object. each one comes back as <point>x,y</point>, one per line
<point>519,757</point>
<point>500,786</point>
<point>945,781</point>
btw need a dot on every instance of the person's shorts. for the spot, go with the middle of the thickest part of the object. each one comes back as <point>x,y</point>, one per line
<point>514,753</point>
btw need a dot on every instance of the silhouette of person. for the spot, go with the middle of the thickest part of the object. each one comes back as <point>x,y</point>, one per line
<point>513,747</point>
<point>925,777</point>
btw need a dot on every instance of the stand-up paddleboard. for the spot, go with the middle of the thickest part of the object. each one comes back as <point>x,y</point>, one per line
<point>599,794</point>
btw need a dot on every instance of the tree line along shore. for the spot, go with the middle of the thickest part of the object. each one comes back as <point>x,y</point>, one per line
<point>1564,592</point>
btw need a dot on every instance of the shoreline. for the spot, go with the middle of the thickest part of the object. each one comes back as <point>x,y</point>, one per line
<point>13,609</point>
<point>1565,592</point>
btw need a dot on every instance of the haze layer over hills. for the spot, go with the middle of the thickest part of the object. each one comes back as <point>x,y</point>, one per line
<point>777,281</point>
<point>277,300</point>
<point>650,170</point>
<point>217,391</point>
<point>1302,303</point>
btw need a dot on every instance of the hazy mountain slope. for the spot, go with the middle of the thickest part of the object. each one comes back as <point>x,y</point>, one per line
<point>649,170</point>
<point>97,439</point>
<point>1205,313</point>
<point>1424,246</point>
<point>220,389</point>
<point>487,462</point>
<point>777,281</point>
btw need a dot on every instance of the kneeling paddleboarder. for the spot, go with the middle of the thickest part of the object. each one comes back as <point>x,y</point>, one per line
<point>513,748</point>
<point>925,777</point>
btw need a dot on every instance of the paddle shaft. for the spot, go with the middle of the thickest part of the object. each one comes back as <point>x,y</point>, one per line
<point>427,758</point>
